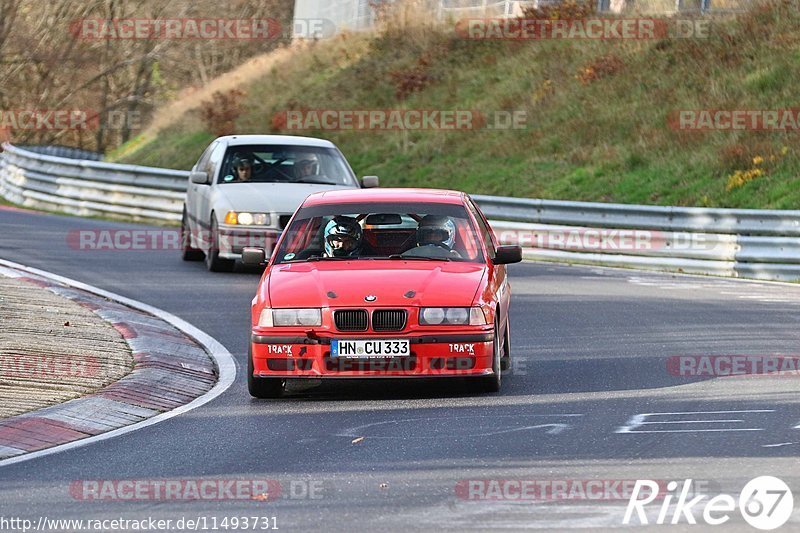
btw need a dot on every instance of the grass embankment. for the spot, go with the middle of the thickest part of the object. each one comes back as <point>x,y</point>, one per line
<point>597,112</point>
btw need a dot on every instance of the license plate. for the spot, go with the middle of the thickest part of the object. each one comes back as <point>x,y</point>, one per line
<point>370,349</point>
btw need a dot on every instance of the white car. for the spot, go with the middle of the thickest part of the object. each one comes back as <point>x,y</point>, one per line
<point>244,188</point>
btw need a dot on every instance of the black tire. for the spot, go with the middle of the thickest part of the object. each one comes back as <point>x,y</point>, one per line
<point>213,261</point>
<point>263,388</point>
<point>187,252</point>
<point>505,362</point>
<point>492,383</point>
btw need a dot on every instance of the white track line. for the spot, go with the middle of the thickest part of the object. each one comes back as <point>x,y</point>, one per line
<point>221,356</point>
<point>662,273</point>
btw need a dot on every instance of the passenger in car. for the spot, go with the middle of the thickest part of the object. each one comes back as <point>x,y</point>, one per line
<point>436,237</point>
<point>306,165</point>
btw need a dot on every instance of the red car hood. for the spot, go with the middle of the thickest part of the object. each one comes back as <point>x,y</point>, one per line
<point>436,284</point>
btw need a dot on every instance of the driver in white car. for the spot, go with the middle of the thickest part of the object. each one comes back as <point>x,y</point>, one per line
<point>242,168</point>
<point>243,164</point>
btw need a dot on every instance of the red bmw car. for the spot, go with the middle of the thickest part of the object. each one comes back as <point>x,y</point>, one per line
<point>389,283</point>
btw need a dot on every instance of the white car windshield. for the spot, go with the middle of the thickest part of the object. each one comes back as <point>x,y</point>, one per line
<point>286,164</point>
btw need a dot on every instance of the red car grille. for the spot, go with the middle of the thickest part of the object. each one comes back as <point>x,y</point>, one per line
<point>389,319</point>
<point>382,319</point>
<point>350,319</point>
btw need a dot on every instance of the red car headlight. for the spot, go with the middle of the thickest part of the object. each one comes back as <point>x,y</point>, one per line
<point>290,317</point>
<point>451,316</point>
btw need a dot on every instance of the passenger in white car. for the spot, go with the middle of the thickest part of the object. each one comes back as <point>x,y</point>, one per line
<point>306,165</point>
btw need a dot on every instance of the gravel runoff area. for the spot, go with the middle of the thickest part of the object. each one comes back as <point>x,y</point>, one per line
<point>77,363</point>
<point>53,349</point>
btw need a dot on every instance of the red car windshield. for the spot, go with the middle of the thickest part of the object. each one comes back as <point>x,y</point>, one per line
<point>429,232</point>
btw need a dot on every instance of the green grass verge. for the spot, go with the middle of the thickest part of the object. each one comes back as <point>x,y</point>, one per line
<point>594,137</point>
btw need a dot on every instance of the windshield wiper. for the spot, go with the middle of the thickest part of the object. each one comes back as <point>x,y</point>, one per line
<point>418,258</point>
<point>326,258</point>
<point>316,182</point>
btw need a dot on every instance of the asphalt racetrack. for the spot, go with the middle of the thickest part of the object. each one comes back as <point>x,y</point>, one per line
<point>593,395</point>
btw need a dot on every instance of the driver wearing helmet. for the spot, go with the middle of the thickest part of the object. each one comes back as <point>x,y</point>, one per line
<point>343,237</point>
<point>306,165</point>
<point>436,235</point>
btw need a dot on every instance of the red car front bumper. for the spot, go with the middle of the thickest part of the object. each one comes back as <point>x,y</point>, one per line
<point>454,355</point>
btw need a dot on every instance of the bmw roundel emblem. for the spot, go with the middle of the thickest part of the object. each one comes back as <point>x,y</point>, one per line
<point>370,298</point>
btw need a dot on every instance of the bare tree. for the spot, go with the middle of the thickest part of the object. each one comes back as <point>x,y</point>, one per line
<point>47,63</point>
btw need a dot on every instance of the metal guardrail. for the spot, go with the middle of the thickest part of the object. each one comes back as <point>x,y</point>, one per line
<point>665,218</point>
<point>65,151</point>
<point>751,243</point>
<point>91,188</point>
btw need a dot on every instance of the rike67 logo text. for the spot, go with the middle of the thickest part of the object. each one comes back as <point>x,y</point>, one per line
<point>765,503</point>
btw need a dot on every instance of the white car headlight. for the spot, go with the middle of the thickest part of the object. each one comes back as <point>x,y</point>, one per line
<point>297,317</point>
<point>451,316</point>
<point>247,219</point>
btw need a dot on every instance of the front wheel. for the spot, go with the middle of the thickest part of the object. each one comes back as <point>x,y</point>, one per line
<point>187,252</point>
<point>263,387</point>
<point>505,362</point>
<point>213,261</point>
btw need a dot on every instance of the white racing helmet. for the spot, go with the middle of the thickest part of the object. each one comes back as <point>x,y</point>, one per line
<point>305,159</point>
<point>436,230</point>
